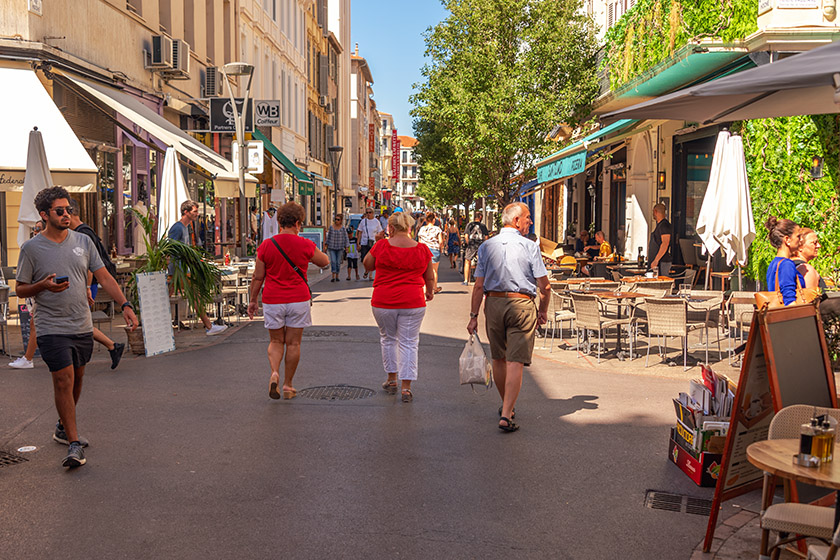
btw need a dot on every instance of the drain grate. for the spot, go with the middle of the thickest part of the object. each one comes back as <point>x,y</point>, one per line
<point>7,459</point>
<point>677,503</point>
<point>336,393</point>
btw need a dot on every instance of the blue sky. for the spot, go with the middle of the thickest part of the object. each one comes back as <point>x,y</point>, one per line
<point>390,38</point>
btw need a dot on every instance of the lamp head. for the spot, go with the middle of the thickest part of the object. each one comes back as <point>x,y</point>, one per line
<point>238,69</point>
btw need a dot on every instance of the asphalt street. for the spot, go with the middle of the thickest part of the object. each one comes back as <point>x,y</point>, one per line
<point>189,458</point>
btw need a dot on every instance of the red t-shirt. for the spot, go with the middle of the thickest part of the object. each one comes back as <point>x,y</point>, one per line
<point>282,283</point>
<point>399,275</point>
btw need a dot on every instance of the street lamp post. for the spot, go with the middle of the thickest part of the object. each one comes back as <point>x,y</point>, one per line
<point>335,161</point>
<point>240,69</point>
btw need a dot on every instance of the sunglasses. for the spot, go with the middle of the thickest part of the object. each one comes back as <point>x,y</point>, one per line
<point>60,210</point>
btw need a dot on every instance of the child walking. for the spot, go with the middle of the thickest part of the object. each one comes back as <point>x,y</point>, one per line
<point>353,257</point>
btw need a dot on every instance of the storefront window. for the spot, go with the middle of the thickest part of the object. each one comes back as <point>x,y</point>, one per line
<point>126,199</point>
<point>107,164</point>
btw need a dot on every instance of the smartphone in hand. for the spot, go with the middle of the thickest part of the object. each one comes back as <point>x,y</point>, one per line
<point>61,279</point>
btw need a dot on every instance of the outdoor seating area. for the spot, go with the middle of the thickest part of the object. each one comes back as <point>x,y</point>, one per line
<point>639,315</point>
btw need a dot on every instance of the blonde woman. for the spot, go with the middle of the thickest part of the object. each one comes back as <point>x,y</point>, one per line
<point>403,269</point>
<point>431,236</point>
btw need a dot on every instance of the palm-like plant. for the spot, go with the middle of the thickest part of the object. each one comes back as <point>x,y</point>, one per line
<point>194,277</point>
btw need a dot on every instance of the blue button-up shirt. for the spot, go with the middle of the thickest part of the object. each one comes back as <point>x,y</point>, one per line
<point>510,262</point>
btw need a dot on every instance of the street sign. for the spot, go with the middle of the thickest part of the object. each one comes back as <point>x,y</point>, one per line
<point>256,156</point>
<point>222,115</point>
<point>268,113</point>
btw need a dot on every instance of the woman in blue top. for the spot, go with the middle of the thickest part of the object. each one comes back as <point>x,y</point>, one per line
<point>784,236</point>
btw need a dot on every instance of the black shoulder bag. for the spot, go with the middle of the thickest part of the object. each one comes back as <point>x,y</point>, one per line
<point>295,267</point>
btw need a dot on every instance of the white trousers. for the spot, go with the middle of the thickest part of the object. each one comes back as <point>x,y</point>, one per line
<point>399,336</point>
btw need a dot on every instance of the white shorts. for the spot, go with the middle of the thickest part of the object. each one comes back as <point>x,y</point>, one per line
<point>295,315</point>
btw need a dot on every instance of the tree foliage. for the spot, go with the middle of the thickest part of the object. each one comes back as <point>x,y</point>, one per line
<point>501,74</point>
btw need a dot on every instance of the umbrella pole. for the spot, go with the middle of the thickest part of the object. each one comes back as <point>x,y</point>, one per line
<point>708,270</point>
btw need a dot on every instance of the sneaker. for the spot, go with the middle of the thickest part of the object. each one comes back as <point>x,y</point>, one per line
<point>22,363</point>
<point>75,456</point>
<point>116,354</point>
<point>216,329</point>
<point>61,436</point>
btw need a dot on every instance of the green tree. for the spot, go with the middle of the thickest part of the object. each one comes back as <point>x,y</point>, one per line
<point>501,74</point>
<point>443,180</point>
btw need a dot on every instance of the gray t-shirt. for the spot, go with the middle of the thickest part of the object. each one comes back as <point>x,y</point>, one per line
<point>64,312</point>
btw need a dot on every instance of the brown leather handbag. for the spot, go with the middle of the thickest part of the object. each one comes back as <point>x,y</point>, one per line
<point>773,300</point>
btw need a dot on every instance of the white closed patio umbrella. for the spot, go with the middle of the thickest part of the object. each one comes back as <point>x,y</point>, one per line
<point>173,192</point>
<point>726,220</point>
<point>37,178</point>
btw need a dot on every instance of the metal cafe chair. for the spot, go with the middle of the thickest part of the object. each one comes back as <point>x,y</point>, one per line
<point>588,316</point>
<point>562,311</point>
<point>669,317</point>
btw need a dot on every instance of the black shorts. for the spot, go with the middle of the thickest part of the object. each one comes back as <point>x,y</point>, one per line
<point>62,350</point>
<point>352,262</point>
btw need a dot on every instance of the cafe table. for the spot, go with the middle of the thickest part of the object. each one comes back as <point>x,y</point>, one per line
<point>775,456</point>
<point>618,299</point>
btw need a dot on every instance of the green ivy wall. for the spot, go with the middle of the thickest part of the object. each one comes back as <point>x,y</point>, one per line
<point>654,29</point>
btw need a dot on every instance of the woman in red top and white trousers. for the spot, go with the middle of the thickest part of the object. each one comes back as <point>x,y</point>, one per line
<point>286,298</point>
<point>403,268</point>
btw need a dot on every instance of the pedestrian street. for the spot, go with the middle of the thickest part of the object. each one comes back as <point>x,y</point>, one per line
<point>189,458</point>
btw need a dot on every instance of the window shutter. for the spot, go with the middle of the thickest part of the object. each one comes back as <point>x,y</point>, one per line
<point>610,14</point>
<point>324,67</point>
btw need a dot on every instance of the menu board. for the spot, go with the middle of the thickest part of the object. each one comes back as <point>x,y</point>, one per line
<point>155,311</point>
<point>786,362</point>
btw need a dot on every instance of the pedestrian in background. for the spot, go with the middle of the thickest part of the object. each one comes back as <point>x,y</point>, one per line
<point>782,275</point>
<point>337,243</point>
<point>368,230</point>
<point>383,219</point>
<point>353,255</point>
<point>281,264</point>
<point>403,269</point>
<point>474,235</point>
<point>53,269</point>
<point>431,236</point>
<point>453,242</point>
<point>509,274</point>
<point>659,247</point>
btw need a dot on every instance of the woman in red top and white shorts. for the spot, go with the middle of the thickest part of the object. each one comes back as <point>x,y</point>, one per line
<point>286,297</point>
<point>403,267</point>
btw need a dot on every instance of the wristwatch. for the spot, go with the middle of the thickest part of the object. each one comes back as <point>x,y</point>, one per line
<point>473,315</point>
<point>127,304</point>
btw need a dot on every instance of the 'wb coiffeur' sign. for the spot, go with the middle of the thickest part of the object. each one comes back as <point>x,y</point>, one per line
<point>222,115</point>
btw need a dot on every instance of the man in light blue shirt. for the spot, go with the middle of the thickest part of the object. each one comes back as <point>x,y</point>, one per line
<point>510,274</point>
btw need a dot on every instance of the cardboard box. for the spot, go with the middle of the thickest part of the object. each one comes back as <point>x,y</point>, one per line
<point>702,468</point>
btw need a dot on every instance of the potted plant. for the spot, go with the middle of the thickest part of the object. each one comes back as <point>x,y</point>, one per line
<point>194,277</point>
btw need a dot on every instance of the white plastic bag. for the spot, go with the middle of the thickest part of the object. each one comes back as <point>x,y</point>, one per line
<point>475,368</point>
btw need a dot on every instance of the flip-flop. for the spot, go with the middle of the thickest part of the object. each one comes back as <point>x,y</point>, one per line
<point>438,290</point>
<point>289,393</point>
<point>407,396</point>
<point>390,387</point>
<point>510,427</point>
<point>272,389</point>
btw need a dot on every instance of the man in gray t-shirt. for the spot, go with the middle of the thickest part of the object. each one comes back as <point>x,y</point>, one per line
<point>53,269</point>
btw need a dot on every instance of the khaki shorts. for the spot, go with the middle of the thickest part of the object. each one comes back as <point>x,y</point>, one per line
<point>511,324</point>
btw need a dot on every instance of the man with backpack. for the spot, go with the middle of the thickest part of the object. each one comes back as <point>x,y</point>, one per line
<point>474,235</point>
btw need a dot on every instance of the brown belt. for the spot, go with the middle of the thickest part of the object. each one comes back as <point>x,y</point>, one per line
<point>508,295</point>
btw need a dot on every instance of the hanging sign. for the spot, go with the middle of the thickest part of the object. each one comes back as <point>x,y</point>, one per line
<point>223,116</point>
<point>268,113</point>
<point>256,156</point>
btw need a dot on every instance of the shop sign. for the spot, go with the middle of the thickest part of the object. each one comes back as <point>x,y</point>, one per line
<point>764,6</point>
<point>268,113</point>
<point>35,7</point>
<point>395,155</point>
<point>255,157</point>
<point>222,115</point>
<point>371,144</point>
<point>565,167</point>
<point>797,3</point>
<point>306,189</point>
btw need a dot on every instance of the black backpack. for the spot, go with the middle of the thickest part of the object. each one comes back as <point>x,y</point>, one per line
<point>100,248</point>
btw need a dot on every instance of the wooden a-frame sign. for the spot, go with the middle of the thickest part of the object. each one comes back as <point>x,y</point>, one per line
<point>785,363</point>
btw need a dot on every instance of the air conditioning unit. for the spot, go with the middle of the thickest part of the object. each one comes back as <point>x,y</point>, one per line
<point>322,101</point>
<point>161,55</point>
<point>212,83</point>
<point>181,57</point>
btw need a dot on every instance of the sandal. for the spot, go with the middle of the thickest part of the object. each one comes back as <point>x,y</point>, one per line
<point>510,425</point>
<point>407,396</point>
<point>390,387</point>
<point>272,389</point>
<point>438,290</point>
<point>289,393</point>
<point>512,416</point>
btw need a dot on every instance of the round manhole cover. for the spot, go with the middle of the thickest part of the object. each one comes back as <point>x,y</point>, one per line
<point>336,393</point>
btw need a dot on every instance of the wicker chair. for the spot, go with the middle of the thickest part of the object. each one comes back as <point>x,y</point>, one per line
<point>709,312</point>
<point>792,520</point>
<point>588,317</point>
<point>822,552</point>
<point>561,311</point>
<point>669,317</point>
<point>606,286</point>
<point>667,285</point>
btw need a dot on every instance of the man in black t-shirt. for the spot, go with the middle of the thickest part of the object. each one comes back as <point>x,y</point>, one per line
<point>115,349</point>
<point>474,235</point>
<point>659,248</point>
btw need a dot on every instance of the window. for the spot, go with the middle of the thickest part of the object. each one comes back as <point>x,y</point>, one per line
<point>189,22</point>
<point>413,158</point>
<point>405,156</point>
<point>413,170</point>
<point>135,6</point>
<point>210,27</point>
<point>165,15</point>
<point>227,56</point>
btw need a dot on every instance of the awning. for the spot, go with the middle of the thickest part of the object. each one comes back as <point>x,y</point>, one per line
<point>26,104</point>
<point>225,177</point>
<point>282,159</point>
<point>327,182</point>
<point>527,189</point>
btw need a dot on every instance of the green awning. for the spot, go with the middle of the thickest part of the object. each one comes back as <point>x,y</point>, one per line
<point>282,159</point>
<point>327,182</point>
<point>580,145</point>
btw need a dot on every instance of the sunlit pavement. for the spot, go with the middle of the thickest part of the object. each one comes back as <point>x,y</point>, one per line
<point>189,458</point>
